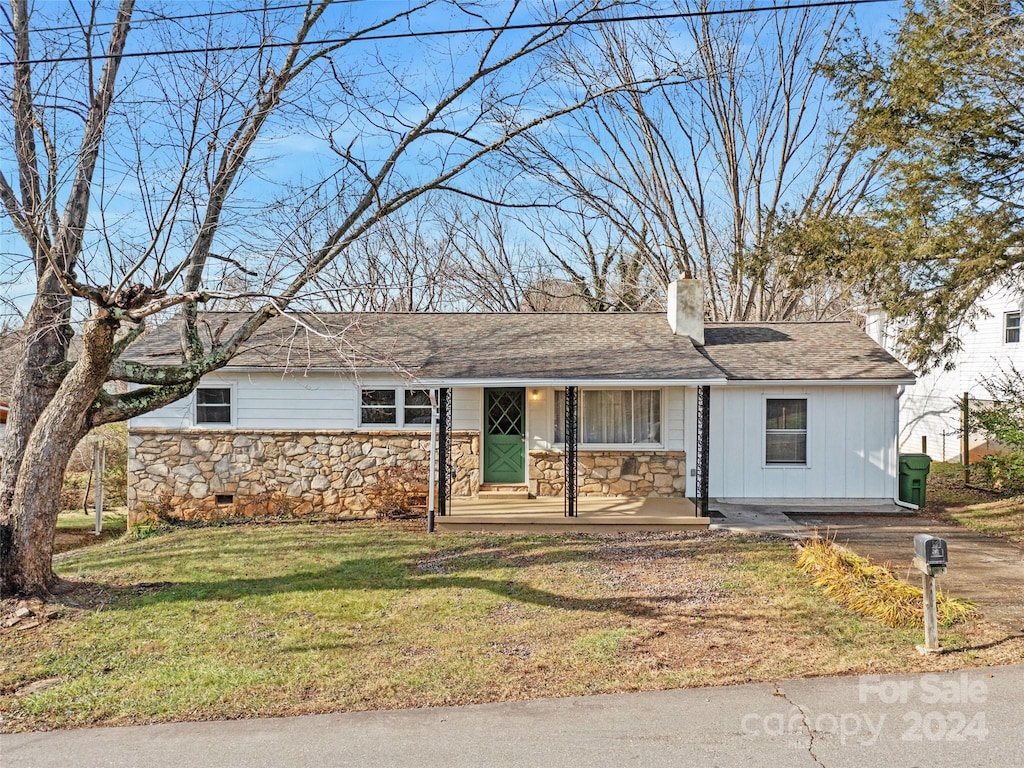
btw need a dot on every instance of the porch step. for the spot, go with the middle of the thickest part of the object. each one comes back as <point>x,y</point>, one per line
<point>504,491</point>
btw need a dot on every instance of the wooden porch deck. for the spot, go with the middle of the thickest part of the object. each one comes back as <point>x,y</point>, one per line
<point>594,515</point>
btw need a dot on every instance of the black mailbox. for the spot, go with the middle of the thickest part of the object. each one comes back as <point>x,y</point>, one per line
<point>931,550</point>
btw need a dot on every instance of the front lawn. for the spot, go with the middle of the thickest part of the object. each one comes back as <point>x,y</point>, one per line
<point>272,620</point>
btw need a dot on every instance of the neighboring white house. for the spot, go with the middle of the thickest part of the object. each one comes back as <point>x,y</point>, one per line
<point>797,410</point>
<point>930,409</point>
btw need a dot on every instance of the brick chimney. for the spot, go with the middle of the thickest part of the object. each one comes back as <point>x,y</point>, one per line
<point>686,308</point>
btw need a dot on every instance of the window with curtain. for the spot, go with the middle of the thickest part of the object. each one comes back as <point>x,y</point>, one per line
<point>786,431</point>
<point>614,416</point>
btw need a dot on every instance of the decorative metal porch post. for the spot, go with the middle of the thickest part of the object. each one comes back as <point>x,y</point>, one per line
<point>703,440</point>
<point>444,451</point>
<point>571,442</point>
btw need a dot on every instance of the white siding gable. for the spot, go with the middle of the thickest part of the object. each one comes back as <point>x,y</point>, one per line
<point>929,409</point>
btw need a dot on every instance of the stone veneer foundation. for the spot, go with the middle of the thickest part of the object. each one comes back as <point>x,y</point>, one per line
<point>611,473</point>
<point>209,474</point>
<point>206,474</point>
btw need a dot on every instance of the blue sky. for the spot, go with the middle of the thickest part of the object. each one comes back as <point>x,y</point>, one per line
<point>288,151</point>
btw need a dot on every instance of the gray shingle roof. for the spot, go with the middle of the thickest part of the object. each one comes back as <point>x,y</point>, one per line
<point>536,346</point>
<point>795,351</point>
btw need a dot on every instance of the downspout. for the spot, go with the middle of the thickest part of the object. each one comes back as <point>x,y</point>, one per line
<point>896,499</point>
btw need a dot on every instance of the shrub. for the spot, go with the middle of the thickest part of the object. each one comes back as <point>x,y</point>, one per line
<point>1002,420</point>
<point>1001,472</point>
<point>400,491</point>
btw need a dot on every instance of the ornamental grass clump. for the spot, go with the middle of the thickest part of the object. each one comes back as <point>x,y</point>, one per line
<point>873,590</point>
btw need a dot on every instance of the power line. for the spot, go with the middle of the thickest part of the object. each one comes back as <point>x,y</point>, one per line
<point>155,17</point>
<point>469,31</point>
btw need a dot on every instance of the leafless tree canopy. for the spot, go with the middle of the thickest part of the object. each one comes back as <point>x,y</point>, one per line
<point>695,171</point>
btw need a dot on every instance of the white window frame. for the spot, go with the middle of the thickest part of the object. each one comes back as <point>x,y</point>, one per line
<point>806,464</point>
<point>400,406</point>
<point>232,406</point>
<point>659,446</point>
<point>1007,328</point>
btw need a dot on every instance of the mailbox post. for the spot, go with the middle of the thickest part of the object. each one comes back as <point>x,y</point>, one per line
<point>931,558</point>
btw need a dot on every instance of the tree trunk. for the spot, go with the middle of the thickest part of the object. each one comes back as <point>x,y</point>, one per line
<point>30,522</point>
<point>45,338</point>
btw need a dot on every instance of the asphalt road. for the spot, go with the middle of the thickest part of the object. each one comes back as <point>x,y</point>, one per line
<point>971,718</point>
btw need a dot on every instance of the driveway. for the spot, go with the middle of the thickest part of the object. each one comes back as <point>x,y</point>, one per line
<point>984,569</point>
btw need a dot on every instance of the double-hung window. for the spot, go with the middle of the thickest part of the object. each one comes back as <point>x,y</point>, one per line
<point>395,407</point>
<point>785,440</point>
<point>213,405</point>
<point>1011,327</point>
<point>416,407</point>
<point>614,416</point>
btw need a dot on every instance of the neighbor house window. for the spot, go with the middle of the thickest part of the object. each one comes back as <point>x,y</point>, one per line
<point>1012,327</point>
<point>614,416</point>
<point>785,431</point>
<point>213,405</point>
<point>399,407</point>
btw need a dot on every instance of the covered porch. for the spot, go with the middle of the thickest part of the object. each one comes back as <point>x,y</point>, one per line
<point>594,514</point>
<point>574,506</point>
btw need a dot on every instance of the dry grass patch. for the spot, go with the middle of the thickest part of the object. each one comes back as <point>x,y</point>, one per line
<point>873,590</point>
<point>276,620</point>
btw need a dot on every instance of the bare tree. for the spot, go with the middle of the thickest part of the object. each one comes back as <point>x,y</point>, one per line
<point>140,178</point>
<point>495,267</point>
<point>404,263</point>
<point>695,172</point>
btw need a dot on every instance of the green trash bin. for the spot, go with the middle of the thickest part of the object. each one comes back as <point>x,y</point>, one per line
<point>914,469</point>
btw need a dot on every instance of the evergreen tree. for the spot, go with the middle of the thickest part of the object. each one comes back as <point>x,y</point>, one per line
<point>942,104</point>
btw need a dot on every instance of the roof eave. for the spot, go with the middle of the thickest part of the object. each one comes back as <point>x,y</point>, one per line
<point>822,382</point>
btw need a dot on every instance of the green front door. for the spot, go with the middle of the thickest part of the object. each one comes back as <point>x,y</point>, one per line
<point>505,435</point>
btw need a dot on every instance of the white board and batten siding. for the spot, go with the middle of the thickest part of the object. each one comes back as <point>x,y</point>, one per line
<point>851,446</point>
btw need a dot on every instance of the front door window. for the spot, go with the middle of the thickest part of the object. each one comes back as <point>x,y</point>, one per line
<point>505,436</point>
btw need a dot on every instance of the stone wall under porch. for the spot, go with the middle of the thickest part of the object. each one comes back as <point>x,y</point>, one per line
<point>208,474</point>
<point>611,473</point>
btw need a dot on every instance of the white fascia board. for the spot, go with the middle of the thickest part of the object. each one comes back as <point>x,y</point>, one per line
<point>310,369</point>
<point>562,382</point>
<point>820,382</point>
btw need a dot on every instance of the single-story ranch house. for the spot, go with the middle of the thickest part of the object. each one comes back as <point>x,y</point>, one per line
<point>649,406</point>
